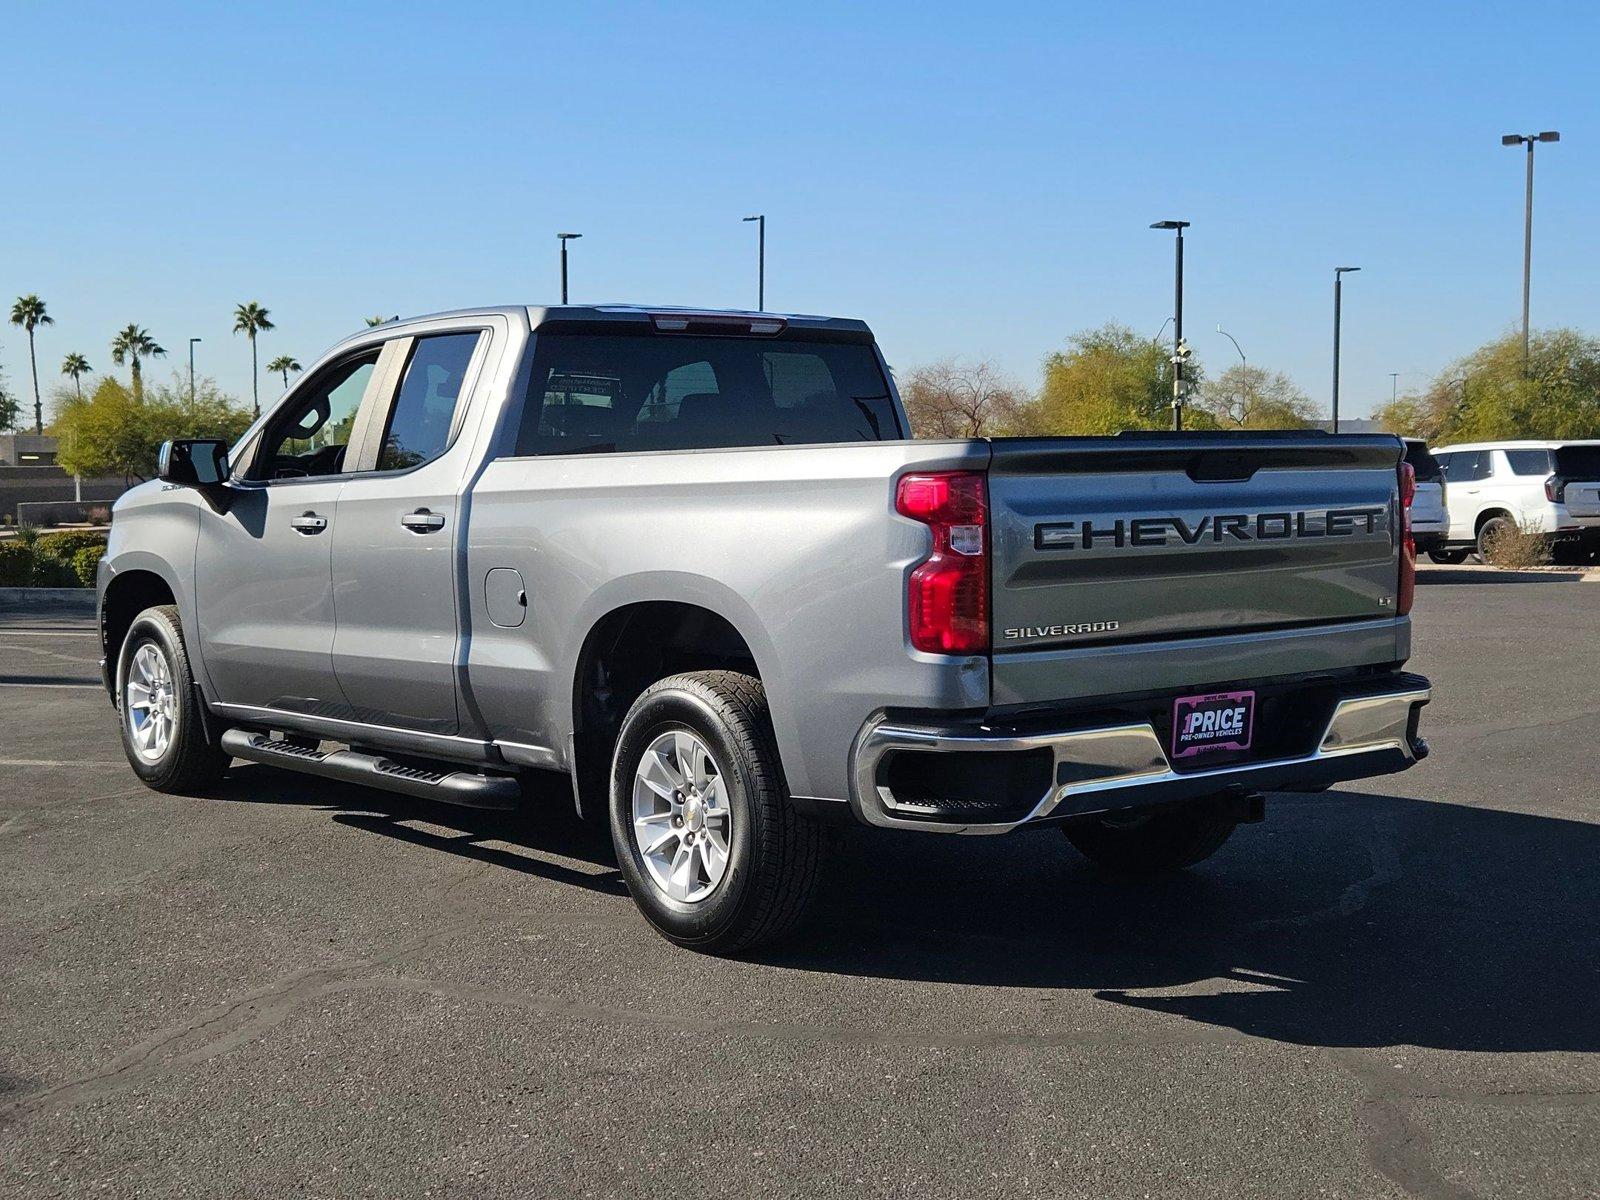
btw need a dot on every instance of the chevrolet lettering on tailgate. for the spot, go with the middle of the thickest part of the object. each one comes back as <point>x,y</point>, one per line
<point>1213,528</point>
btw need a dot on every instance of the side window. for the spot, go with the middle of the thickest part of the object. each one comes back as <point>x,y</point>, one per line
<point>1482,465</point>
<point>310,436</point>
<point>425,405</point>
<point>1529,462</point>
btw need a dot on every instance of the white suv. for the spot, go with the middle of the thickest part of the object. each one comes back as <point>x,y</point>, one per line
<point>1430,518</point>
<point>1553,486</point>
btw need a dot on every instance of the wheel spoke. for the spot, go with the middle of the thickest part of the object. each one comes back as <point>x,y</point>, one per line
<point>714,857</point>
<point>657,774</point>
<point>680,879</point>
<point>138,695</point>
<point>657,842</point>
<point>691,758</point>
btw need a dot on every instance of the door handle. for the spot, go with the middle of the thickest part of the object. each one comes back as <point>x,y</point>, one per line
<point>422,521</point>
<point>308,523</point>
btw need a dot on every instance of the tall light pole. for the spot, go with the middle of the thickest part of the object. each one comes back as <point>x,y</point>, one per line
<point>564,238</point>
<point>1179,350</point>
<point>1338,294</point>
<point>1394,386</point>
<point>1517,139</point>
<point>192,342</point>
<point>1242,360</point>
<point>761,260</point>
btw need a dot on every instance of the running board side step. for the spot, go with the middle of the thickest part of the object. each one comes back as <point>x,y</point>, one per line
<point>373,770</point>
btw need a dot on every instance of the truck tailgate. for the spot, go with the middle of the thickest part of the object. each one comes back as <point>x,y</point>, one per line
<point>1152,537</point>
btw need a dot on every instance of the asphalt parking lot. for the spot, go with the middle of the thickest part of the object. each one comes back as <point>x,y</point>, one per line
<point>297,988</point>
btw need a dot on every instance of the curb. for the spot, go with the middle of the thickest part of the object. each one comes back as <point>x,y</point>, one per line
<point>58,600</point>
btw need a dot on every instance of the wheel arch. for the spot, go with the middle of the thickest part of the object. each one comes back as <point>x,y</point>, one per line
<point>630,645</point>
<point>133,584</point>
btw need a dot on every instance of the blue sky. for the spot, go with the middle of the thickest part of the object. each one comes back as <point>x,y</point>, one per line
<point>972,180</point>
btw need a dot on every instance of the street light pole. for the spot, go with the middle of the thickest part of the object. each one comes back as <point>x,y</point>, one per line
<point>1179,350</point>
<point>761,260</point>
<point>1394,386</point>
<point>1338,292</point>
<point>192,342</point>
<point>1516,139</point>
<point>564,238</point>
<point>1243,362</point>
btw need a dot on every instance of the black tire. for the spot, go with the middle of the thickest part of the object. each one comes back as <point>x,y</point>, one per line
<point>774,853</point>
<point>1487,533</point>
<point>1448,558</point>
<point>192,761</point>
<point>1153,843</point>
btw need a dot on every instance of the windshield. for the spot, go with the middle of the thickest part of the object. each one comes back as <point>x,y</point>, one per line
<point>613,392</point>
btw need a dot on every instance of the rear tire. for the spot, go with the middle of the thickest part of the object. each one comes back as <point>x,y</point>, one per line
<point>716,857</point>
<point>1156,842</point>
<point>164,733</point>
<point>1448,558</point>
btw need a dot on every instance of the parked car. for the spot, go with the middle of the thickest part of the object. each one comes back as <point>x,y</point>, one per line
<point>1551,487</point>
<point>1430,515</point>
<point>692,561</point>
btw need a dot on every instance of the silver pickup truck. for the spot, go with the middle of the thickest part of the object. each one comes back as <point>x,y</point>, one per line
<point>693,561</point>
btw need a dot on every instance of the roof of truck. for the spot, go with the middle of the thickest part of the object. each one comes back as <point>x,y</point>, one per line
<point>540,315</point>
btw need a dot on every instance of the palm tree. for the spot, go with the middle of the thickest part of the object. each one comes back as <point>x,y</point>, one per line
<point>77,366</point>
<point>133,344</point>
<point>283,364</point>
<point>29,312</point>
<point>381,320</point>
<point>251,319</point>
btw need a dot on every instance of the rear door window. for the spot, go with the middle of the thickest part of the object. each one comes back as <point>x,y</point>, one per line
<point>424,408</point>
<point>608,393</point>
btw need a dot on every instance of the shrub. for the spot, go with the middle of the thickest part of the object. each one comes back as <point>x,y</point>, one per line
<point>16,565</point>
<point>1518,546</point>
<point>100,515</point>
<point>85,561</point>
<point>65,545</point>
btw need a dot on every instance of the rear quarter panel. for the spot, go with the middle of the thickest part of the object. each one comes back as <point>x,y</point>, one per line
<point>798,547</point>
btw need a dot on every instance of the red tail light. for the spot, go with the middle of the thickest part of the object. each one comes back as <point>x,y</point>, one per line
<point>1408,544</point>
<point>947,597</point>
<point>1555,489</point>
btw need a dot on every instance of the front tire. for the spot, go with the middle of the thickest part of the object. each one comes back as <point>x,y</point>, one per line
<point>164,733</point>
<point>1448,558</point>
<point>716,857</point>
<point>1156,842</point>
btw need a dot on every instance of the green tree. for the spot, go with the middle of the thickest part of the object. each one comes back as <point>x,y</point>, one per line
<point>1108,380</point>
<point>381,320</point>
<point>134,344</point>
<point>10,406</point>
<point>29,312</point>
<point>77,366</point>
<point>1246,397</point>
<point>251,319</point>
<point>1487,397</point>
<point>283,364</point>
<point>112,432</point>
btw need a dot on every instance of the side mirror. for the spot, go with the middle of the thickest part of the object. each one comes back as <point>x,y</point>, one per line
<point>193,462</point>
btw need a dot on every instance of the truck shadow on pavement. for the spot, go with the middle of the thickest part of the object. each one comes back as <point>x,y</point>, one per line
<point>1344,920</point>
<point>546,829</point>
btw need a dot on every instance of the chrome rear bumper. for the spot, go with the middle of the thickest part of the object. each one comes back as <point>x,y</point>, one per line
<point>1105,768</point>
